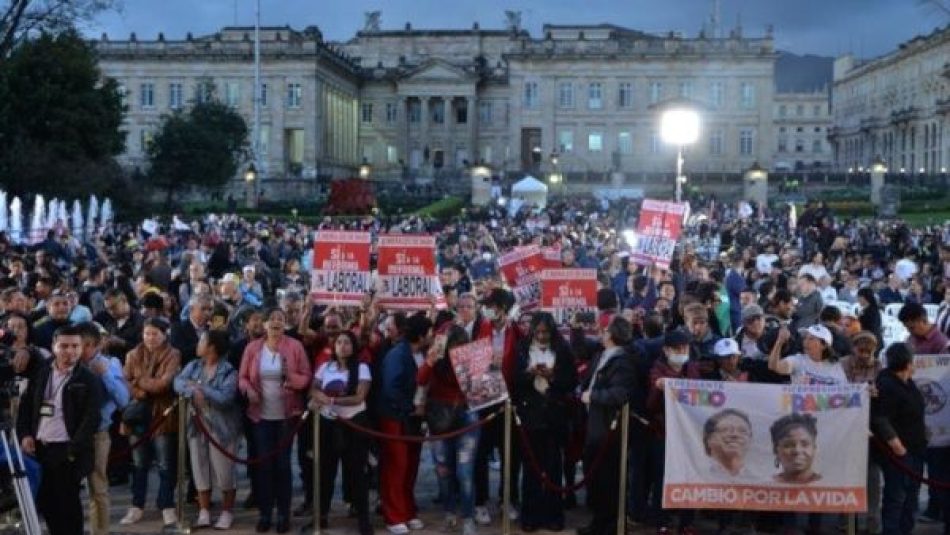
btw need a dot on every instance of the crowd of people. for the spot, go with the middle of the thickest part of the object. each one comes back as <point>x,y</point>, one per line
<point>108,332</point>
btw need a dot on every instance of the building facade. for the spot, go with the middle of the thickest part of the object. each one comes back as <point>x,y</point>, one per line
<point>431,103</point>
<point>309,94</point>
<point>436,101</point>
<point>895,107</point>
<point>801,123</point>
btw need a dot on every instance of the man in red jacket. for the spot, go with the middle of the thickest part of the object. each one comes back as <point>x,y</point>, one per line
<point>503,332</point>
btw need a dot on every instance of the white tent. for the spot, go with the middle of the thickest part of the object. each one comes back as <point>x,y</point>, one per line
<point>531,191</point>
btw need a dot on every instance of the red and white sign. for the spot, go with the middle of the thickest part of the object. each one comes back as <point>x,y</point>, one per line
<point>565,292</point>
<point>478,377</point>
<point>341,274</point>
<point>552,257</point>
<point>521,269</point>
<point>658,230</point>
<point>408,279</point>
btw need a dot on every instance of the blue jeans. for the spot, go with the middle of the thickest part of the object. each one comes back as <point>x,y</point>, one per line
<point>273,476</point>
<point>455,466</point>
<point>162,450</point>
<point>900,496</point>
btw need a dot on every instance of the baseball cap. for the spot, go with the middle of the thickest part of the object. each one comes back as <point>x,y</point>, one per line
<point>818,331</point>
<point>751,312</point>
<point>726,347</point>
<point>675,339</point>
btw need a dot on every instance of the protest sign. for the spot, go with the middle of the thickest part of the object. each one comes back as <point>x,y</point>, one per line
<point>521,269</point>
<point>658,229</point>
<point>565,292</point>
<point>932,375</point>
<point>407,275</point>
<point>341,274</point>
<point>478,376</point>
<point>765,447</point>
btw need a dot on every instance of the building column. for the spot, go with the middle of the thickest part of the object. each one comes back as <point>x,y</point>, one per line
<point>474,152</point>
<point>448,149</point>
<point>424,130</point>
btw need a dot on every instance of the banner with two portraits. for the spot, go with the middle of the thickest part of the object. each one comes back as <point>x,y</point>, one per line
<point>800,448</point>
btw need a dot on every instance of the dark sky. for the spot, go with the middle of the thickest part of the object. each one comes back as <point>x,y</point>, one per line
<point>826,27</point>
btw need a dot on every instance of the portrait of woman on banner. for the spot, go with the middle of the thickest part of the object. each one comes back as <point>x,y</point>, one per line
<point>795,444</point>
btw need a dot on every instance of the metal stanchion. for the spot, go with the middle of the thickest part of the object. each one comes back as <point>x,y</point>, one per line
<point>506,475</point>
<point>852,524</point>
<point>316,472</point>
<point>622,491</point>
<point>183,526</point>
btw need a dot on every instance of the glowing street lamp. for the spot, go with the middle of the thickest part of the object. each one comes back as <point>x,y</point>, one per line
<point>680,127</point>
<point>250,175</point>
<point>365,169</point>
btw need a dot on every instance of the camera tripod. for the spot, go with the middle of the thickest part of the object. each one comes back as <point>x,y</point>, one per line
<point>21,485</point>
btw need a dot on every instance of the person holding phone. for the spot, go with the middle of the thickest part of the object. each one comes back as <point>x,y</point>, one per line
<point>546,377</point>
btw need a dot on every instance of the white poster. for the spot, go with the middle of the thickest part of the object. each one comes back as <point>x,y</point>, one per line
<point>932,375</point>
<point>765,447</point>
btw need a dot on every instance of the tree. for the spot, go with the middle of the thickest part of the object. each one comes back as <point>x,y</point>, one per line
<point>59,120</point>
<point>19,19</point>
<point>200,147</point>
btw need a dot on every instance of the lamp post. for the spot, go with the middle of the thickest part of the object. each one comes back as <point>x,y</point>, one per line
<point>481,184</point>
<point>250,179</point>
<point>365,169</point>
<point>878,169</point>
<point>680,127</point>
<point>556,179</point>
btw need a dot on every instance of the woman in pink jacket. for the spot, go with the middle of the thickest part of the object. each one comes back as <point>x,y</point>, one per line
<point>274,376</point>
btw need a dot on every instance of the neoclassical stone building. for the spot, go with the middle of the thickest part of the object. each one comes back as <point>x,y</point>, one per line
<point>309,93</point>
<point>895,107</point>
<point>432,102</point>
<point>801,123</point>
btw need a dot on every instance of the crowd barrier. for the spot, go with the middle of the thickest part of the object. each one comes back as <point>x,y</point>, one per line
<point>511,421</point>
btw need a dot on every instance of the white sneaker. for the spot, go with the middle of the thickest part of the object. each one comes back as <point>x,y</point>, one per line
<point>131,517</point>
<point>482,518</point>
<point>468,527</point>
<point>513,513</point>
<point>451,522</point>
<point>169,518</point>
<point>224,521</point>
<point>204,519</point>
<point>415,524</point>
<point>397,529</point>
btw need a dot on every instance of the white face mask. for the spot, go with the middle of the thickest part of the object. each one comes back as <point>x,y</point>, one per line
<point>489,313</point>
<point>678,360</point>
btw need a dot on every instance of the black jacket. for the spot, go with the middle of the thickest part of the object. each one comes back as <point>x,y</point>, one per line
<point>184,338</point>
<point>82,399</point>
<point>130,332</point>
<point>898,411</point>
<point>548,411</point>
<point>612,388</point>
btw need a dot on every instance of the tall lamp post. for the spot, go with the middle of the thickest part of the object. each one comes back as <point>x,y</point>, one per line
<point>557,180</point>
<point>680,127</point>
<point>256,130</point>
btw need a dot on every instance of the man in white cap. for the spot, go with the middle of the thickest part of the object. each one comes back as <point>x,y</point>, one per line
<point>727,354</point>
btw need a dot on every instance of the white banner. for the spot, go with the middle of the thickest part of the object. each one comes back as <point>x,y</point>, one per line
<point>765,447</point>
<point>932,375</point>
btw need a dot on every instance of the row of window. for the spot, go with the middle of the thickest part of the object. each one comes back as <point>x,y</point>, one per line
<point>716,142</point>
<point>205,91</point>
<point>625,94</point>
<point>437,112</point>
<point>817,147</point>
<point>799,129</point>
<point>800,110</point>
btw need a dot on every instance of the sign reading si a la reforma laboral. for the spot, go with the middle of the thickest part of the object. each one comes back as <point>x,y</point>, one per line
<point>341,274</point>
<point>565,292</point>
<point>521,269</point>
<point>765,447</point>
<point>658,229</point>
<point>407,275</point>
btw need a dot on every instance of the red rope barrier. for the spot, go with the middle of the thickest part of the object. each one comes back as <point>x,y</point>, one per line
<point>411,438</point>
<point>543,476</point>
<point>285,442</point>
<point>908,471</point>
<point>149,434</point>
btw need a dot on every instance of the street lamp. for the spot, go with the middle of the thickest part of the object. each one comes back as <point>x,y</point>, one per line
<point>879,165</point>
<point>556,177</point>
<point>365,169</point>
<point>680,127</point>
<point>250,179</point>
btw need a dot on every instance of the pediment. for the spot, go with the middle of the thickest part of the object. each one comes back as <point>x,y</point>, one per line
<point>437,71</point>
